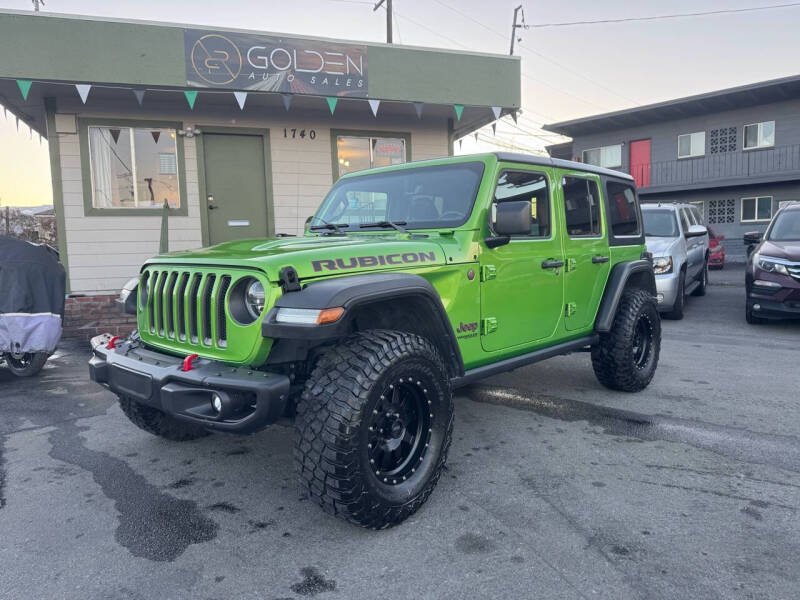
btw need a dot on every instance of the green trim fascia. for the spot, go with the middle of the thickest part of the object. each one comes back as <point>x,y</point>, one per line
<point>89,209</point>
<point>55,177</point>
<point>335,133</point>
<point>201,174</point>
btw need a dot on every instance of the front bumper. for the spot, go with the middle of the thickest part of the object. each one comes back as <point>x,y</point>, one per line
<point>251,399</point>
<point>667,290</point>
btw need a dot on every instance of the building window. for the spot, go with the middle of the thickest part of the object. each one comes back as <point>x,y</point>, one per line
<point>581,207</point>
<point>759,135</point>
<point>609,157</point>
<point>692,144</point>
<point>722,211</point>
<point>722,140</point>
<point>756,209</point>
<point>133,167</point>
<point>355,153</point>
<point>622,214</point>
<point>514,186</point>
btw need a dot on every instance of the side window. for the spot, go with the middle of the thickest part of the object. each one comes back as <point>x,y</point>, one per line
<point>524,185</point>
<point>696,214</point>
<point>623,218</point>
<point>581,206</point>
<point>685,220</point>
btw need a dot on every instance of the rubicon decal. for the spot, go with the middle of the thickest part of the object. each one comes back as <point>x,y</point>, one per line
<point>358,262</point>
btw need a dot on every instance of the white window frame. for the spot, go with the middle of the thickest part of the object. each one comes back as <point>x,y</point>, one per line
<point>691,154</point>
<point>759,124</point>
<point>601,148</point>
<point>757,200</point>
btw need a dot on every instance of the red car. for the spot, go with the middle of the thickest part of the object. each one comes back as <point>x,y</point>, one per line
<point>716,251</point>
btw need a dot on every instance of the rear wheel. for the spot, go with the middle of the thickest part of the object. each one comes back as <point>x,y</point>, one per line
<point>26,364</point>
<point>626,357</point>
<point>374,425</point>
<point>159,423</point>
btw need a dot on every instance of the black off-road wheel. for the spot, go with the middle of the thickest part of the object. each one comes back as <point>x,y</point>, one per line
<point>626,357</point>
<point>374,424</point>
<point>159,423</point>
<point>676,313</point>
<point>26,364</point>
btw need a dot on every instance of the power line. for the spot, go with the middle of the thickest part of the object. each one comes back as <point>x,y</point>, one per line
<point>725,11</point>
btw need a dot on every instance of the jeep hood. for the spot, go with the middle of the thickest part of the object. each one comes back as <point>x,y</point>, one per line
<point>316,256</point>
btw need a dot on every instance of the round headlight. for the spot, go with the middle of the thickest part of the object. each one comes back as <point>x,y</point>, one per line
<point>255,297</point>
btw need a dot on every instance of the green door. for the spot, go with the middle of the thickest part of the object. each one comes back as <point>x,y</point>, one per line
<point>522,282</point>
<point>585,249</point>
<point>236,189</point>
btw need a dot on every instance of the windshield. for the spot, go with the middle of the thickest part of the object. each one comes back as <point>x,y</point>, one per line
<point>786,227</point>
<point>418,197</point>
<point>660,223</point>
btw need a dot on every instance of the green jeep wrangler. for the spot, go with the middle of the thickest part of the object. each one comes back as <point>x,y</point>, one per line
<point>410,281</point>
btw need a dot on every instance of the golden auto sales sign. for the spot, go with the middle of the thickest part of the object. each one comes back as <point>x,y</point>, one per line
<point>244,61</point>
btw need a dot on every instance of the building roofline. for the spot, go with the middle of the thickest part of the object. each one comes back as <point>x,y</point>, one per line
<point>771,90</point>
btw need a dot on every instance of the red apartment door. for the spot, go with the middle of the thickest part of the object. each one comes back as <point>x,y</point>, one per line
<point>640,162</point>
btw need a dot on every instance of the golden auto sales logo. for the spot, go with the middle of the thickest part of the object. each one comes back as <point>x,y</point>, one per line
<point>216,59</point>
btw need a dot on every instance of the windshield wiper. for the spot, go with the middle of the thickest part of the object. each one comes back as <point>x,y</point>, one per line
<point>395,224</point>
<point>329,226</point>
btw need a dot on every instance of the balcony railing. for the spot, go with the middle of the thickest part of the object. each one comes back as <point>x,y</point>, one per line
<point>718,167</point>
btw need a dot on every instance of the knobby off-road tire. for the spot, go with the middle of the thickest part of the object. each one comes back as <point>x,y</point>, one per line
<point>374,424</point>
<point>700,290</point>
<point>676,313</point>
<point>626,357</point>
<point>26,365</point>
<point>158,423</point>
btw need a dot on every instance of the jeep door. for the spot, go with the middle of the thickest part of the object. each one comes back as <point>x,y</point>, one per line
<point>585,242</point>
<point>521,281</point>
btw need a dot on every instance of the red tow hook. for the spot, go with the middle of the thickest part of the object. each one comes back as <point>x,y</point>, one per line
<point>112,343</point>
<point>187,362</point>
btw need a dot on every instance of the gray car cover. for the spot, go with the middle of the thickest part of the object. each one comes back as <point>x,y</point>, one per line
<point>32,285</point>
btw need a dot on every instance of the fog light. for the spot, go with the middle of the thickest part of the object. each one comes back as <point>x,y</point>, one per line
<point>216,402</point>
<point>756,307</point>
<point>660,297</point>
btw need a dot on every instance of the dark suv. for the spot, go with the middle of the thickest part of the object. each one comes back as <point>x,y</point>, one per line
<point>772,277</point>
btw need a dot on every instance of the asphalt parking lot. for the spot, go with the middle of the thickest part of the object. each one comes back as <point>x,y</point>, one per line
<point>555,488</point>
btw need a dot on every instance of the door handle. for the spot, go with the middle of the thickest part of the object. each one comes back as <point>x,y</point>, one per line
<point>211,205</point>
<point>599,259</point>
<point>552,264</point>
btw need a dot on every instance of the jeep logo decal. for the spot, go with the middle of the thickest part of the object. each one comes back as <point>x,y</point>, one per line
<point>373,261</point>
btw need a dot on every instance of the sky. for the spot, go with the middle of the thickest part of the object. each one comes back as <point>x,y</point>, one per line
<point>567,71</point>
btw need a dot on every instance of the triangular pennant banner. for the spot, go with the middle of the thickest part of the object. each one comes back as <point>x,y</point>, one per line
<point>139,96</point>
<point>476,136</point>
<point>156,133</point>
<point>496,110</point>
<point>17,118</point>
<point>5,113</point>
<point>514,116</point>
<point>191,97</point>
<point>459,109</point>
<point>83,91</point>
<point>241,97</point>
<point>374,104</point>
<point>24,86</point>
<point>287,101</point>
<point>494,128</point>
<point>418,108</point>
<point>459,143</point>
<point>114,134</point>
<point>332,100</point>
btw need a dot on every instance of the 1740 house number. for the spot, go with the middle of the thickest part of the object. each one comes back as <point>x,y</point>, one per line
<point>299,133</point>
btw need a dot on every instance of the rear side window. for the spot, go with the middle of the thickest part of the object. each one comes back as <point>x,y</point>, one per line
<point>697,216</point>
<point>581,207</point>
<point>526,185</point>
<point>623,217</point>
<point>686,221</point>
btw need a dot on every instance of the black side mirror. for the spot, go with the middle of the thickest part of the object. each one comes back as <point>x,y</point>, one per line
<point>512,218</point>
<point>752,237</point>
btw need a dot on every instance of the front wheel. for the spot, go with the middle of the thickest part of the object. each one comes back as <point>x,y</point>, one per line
<point>26,364</point>
<point>626,357</point>
<point>374,424</point>
<point>680,299</point>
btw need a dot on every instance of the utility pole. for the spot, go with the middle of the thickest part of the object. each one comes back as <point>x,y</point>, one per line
<point>516,26</point>
<point>36,4</point>
<point>388,18</point>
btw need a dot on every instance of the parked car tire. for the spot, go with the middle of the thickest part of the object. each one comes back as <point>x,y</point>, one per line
<point>700,290</point>
<point>680,300</point>
<point>27,364</point>
<point>158,423</point>
<point>626,357</point>
<point>752,319</point>
<point>374,424</point>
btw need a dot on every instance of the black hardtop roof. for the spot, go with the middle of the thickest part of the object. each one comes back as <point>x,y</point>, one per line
<point>546,161</point>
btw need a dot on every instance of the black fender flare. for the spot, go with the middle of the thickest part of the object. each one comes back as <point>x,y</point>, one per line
<point>621,274</point>
<point>359,291</point>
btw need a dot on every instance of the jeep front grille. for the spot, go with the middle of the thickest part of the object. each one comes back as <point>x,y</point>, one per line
<point>186,305</point>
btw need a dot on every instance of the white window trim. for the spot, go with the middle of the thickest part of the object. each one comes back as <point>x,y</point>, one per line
<point>583,155</point>
<point>759,124</point>
<point>757,200</point>
<point>703,153</point>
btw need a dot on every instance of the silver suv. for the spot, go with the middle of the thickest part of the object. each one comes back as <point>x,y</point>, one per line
<point>678,240</point>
